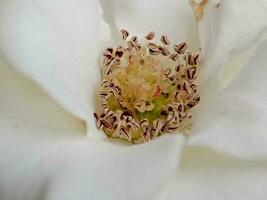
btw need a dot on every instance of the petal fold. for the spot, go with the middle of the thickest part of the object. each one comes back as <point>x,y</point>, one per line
<point>235,122</point>
<point>227,29</point>
<point>174,18</point>
<point>45,155</point>
<point>208,175</point>
<point>58,44</point>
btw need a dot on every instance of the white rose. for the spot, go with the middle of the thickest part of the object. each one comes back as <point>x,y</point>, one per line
<point>45,152</point>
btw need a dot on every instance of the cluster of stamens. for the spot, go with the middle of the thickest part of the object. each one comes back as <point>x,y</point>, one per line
<point>143,97</point>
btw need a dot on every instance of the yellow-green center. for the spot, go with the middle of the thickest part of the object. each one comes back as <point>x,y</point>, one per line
<point>141,96</point>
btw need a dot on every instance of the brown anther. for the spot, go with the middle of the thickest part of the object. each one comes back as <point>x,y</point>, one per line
<point>170,108</point>
<point>125,34</point>
<point>119,52</point>
<point>134,39</point>
<point>180,48</point>
<point>147,134</point>
<point>186,87</point>
<point>182,96</point>
<point>124,132</point>
<point>181,108</point>
<point>192,73</point>
<point>176,95</point>
<point>180,69</point>
<point>197,99</point>
<point>137,47</point>
<point>164,113</point>
<point>172,128</point>
<point>154,51</point>
<point>101,122</point>
<point>152,45</point>
<point>107,54</point>
<point>174,57</point>
<point>164,51</point>
<point>191,104</point>
<point>164,40</point>
<point>158,125</point>
<point>193,59</point>
<point>110,50</point>
<point>182,115</point>
<point>165,95</point>
<point>96,116</point>
<point>172,78</point>
<point>130,44</point>
<point>103,94</point>
<point>115,91</point>
<point>144,123</point>
<point>173,123</point>
<point>142,61</point>
<point>104,83</point>
<point>108,57</point>
<point>194,87</point>
<point>108,112</point>
<point>150,35</point>
<point>143,106</point>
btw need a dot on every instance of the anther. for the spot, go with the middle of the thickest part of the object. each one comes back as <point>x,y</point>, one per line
<point>125,34</point>
<point>164,40</point>
<point>174,57</point>
<point>180,48</point>
<point>150,35</point>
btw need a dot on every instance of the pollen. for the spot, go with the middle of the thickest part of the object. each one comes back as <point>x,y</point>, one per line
<point>147,89</point>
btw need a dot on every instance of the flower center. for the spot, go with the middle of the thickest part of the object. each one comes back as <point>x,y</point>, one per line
<point>147,89</point>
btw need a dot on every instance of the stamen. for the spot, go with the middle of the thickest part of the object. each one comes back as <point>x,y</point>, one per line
<point>131,45</point>
<point>193,59</point>
<point>125,34</point>
<point>154,51</point>
<point>134,39</point>
<point>174,57</point>
<point>192,73</point>
<point>164,51</point>
<point>150,35</point>
<point>142,97</point>
<point>180,48</point>
<point>164,40</point>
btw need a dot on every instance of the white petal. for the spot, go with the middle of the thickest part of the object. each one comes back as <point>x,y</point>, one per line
<point>58,44</point>
<point>205,175</point>
<point>174,18</point>
<point>226,29</point>
<point>236,121</point>
<point>44,154</point>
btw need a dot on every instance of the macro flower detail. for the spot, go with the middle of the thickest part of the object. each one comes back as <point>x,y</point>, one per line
<point>147,89</point>
<point>55,74</point>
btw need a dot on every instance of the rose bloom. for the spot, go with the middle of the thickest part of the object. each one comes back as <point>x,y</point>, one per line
<point>50,147</point>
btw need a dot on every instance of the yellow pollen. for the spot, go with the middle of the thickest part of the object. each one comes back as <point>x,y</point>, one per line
<point>143,97</point>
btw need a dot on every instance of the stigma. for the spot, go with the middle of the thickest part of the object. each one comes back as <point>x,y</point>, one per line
<point>147,89</point>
